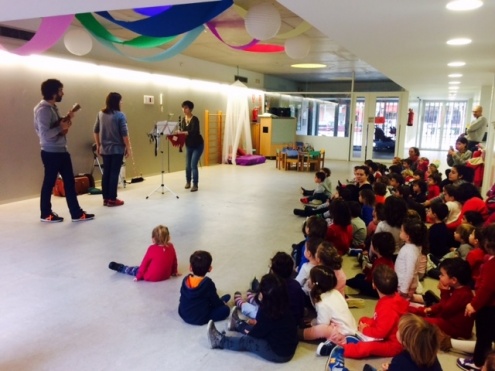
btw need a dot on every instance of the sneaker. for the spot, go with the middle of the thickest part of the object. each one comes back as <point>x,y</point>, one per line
<point>115,266</point>
<point>194,188</point>
<point>225,298</point>
<point>467,364</point>
<point>84,217</point>
<point>188,185</point>
<point>52,218</point>
<point>233,319</point>
<point>367,367</point>
<point>355,303</point>
<point>115,202</point>
<point>325,348</point>
<point>354,252</point>
<point>350,339</point>
<point>430,298</point>
<point>335,360</point>
<point>304,200</point>
<point>299,212</point>
<point>214,336</point>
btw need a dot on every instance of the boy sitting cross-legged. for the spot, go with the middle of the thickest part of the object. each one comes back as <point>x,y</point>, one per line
<point>380,331</point>
<point>199,301</point>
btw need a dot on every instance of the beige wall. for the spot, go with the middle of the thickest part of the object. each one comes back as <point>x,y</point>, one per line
<point>20,162</point>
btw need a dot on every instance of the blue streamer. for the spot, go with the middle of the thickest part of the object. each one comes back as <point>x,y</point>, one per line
<point>175,21</point>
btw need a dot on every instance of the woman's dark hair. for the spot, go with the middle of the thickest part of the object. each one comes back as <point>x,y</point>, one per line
<point>112,103</point>
<point>462,140</point>
<point>368,196</point>
<point>465,173</point>
<point>416,150</point>
<point>340,213</point>
<point>275,299</point>
<point>466,191</point>
<point>323,279</point>
<point>365,168</point>
<point>416,230</point>
<point>188,104</point>
<point>49,88</point>
<point>395,211</point>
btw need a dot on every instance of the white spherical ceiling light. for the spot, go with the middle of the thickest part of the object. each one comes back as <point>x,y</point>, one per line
<point>263,21</point>
<point>78,42</point>
<point>297,47</point>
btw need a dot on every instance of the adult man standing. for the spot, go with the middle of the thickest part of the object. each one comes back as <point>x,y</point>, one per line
<point>52,131</point>
<point>476,129</point>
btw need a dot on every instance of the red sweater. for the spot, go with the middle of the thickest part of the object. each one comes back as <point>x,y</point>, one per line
<point>485,289</point>
<point>475,259</point>
<point>433,191</point>
<point>340,237</point>
<point>448,314</point>
<point>380,261</point>
<point>159,263</point>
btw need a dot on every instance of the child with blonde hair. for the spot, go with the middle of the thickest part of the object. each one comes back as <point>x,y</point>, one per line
<point>420,341</point>
<point>159,263</point>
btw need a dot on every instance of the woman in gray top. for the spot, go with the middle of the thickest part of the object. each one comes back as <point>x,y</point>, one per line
<point>112,143</point>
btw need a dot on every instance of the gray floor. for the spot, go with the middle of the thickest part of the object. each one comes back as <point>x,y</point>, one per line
<point>63,309</point>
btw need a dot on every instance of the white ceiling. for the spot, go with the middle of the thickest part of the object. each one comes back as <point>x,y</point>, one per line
<point>405,41</point>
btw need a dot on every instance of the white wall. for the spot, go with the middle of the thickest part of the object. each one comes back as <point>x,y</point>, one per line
<point>335,148</point>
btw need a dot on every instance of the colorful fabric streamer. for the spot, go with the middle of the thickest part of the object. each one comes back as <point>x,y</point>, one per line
<point>153,10</point>
<point>96,29</point>
<point>175,21</point>
<point>50,31</point>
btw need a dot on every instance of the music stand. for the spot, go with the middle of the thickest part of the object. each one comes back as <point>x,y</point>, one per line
<point>162,128</point>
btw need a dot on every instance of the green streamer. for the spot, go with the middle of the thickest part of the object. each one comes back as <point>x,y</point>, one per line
<point>142,42</point>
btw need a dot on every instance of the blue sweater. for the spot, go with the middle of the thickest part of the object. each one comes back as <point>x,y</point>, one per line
<point>195,304</point>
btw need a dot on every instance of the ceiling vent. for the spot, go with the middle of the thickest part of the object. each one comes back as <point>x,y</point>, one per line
<point>15,33</point>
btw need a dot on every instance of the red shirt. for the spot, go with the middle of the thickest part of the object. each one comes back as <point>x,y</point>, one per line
<point>485,289</point>
<point>473,204</point>
<point>475,259</point>
<point>381,260</point>
<point>448,314</point>
<point>159,263</point>
<point>433,191</point>
<point>340,237</point>
<point>379,199</point>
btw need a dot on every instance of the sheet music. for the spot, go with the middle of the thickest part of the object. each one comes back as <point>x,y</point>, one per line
<point>166,127</point>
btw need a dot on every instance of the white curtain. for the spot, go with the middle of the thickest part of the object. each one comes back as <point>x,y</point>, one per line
<point>237,123</point>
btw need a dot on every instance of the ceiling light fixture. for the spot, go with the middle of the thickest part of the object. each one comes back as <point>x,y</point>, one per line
<point>454,75</point>
<point>454,82</point>
<point>453,88</point>
<point>456,64</point>
<point>308,65</point>
<point>463,5</point>
<point>459,41</point>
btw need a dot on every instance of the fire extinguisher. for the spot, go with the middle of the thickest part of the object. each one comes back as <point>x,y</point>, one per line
<point>410,117</point>
<point>255,114</point>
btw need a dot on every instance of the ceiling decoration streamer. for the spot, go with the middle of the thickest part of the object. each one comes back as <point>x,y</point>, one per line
<point>186,41</point>
<point>97,30</point>
<point>176,20</point>
<point>153,10</point>
<point>50,31</point>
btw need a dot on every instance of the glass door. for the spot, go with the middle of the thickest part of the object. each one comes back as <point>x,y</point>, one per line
<point>376,122</point>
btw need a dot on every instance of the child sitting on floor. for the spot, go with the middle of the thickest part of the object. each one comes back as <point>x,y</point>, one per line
<point>309,252</point>
<point>455,294</point>
<point>381,330</point>
<point>420,341</point>
<point>321,193</point>
<point>159,263</point>
<point>326,184</point>
<point>328,256</point>
<point>384,245</point>
<point>199,301</point>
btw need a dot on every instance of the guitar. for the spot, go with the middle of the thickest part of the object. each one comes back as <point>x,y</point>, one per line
<point>76,107</point>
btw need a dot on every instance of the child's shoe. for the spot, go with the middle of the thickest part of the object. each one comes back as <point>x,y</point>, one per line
<point>233,319</point>
<point>299,212</point>
<point>225,298</point>
<point>304,200</point>
<point>255,284</point>
<point>215,337</point>
<point>467,364</point>
<point>351,339</point>
<point>355,302</point>
<point>335,360</point>
<point>354,251</point>
<point>116,266</point>
<point>367,367</point>
<point>325,348</point>
<point>251,296</point>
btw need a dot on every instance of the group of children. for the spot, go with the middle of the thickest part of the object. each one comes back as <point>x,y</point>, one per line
<point>303,298</point>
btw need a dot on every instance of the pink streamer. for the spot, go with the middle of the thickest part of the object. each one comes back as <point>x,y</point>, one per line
<point>50,31</point>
